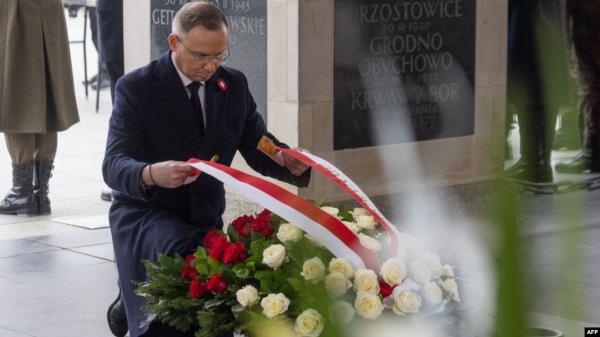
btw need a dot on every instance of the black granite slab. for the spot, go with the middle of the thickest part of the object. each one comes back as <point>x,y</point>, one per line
<point>247,38</point>
<point>403,71</point>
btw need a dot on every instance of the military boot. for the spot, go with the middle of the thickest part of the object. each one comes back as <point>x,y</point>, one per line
<point>20,198</point>
<point>43,172</point>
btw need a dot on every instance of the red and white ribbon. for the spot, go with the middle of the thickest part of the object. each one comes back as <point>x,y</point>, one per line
<point>337,176</point>
<point>329,230</point>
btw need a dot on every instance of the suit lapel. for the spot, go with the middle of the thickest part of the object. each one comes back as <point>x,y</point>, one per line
<point>175,99</point>
<point>216,108</point>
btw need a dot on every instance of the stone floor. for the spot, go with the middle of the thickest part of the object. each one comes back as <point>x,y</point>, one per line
<point>57,273</point>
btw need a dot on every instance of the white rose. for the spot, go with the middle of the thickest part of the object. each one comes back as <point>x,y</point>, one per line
<point>343,312</point>
<point>432,293</point>
<point>393,272</point>
<point>274,256</point>
<point>274,305</point>
<point>358,211</point>
<point>330,210</point>
<point>289,233</point>
<point>366,222</point>
<point>313,270</point>
<point>309,323</point>
<point>434,263</point>
<point>369,243</point>
<point>406,302</point>
<point>412,247</point>
<point>448,271</point>
<point>452,288</point>
<point>368,305</point>
<point>419,272</point>
<point>351,226</point>
<point>247,296</point>
<point>313,240</point>
<point>365,280</point>
<point>337,284</point>
<point>341,266</point>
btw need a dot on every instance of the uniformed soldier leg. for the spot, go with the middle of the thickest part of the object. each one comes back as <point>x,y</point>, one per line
<point>115,71</point>
<point>568,135</point>
<point>587,48</point>
<point>46,144</point>
<point>20,199</point>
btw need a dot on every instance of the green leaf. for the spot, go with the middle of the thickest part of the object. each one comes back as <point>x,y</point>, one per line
<point>213,303</point>
<point>201,253</point>
<point>241,271</point>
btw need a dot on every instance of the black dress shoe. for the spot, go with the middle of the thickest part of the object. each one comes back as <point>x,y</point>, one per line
<point>104,83</point>
<point>583,162</point>
<point>106,195</point>
<point>91,80</point>
<point>531,171</point>
<point>116,317</point>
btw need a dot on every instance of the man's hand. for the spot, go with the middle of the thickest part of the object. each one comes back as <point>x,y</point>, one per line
<point>167,174</point>
<point>295,166</point>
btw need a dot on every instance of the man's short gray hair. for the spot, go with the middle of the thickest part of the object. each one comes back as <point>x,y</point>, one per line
<point>200,13</point>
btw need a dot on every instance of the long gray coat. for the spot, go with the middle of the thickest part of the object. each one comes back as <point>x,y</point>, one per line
<point>36,79</point>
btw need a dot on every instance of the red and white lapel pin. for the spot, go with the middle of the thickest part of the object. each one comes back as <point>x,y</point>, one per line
<point>222,85</point>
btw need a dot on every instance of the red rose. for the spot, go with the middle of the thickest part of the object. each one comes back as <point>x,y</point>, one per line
<point>210,238</point>
<point>218,248</point>
<point>235,253</point>
<point>385,289</point>
<point>188,271</point>
<point>197,288</point>
<point>265,212</point>
<point>217,284</point>
<point>263,225</point>
<point>242,225</point>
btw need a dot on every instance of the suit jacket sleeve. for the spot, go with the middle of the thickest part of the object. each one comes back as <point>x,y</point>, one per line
<point>254,129</point>
<point>123,164</point>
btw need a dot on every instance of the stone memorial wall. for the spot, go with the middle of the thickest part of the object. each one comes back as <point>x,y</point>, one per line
<point>247,38</point>
<point>403,71</point>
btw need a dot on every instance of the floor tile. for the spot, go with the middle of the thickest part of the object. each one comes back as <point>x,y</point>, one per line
<point>68,303</point>
<point>55,261</point>
<point>33,229</point>
<point>103,251</point>
<point>10,333</point>
<point>21,247</point>
<point>89,222</point>
<point>76,239</point>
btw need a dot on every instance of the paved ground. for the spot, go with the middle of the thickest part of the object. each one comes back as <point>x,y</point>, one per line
<point>57,277</point>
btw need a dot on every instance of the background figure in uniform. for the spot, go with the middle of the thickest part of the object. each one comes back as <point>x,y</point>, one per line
<point>535,89</point>
<point>110,22</point>
<point>102,72</point>
<point>37,97</point>
<point>569,134</point>
<point>585,33</point>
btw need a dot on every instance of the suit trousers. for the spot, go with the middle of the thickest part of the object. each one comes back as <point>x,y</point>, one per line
<point>28,147</point>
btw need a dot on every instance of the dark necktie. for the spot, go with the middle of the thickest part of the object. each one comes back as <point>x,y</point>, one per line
<point>196,106</point>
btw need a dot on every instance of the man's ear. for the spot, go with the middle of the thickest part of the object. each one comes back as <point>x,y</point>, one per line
<point>172,39</point>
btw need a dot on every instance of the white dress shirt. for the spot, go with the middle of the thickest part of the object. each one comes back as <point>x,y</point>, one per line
<point>186,81</point>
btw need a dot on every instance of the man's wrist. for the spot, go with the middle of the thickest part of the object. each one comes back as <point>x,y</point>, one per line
<point>147,179</point>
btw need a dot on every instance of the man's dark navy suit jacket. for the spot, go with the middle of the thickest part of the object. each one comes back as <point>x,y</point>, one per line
<point>153,121</point>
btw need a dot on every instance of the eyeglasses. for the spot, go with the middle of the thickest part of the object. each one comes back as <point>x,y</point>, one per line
<point>203,58</point>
